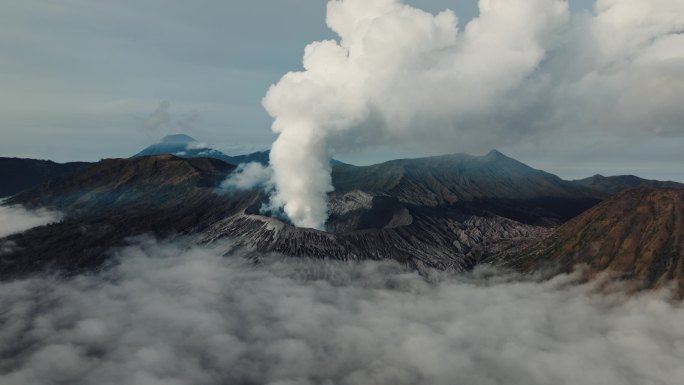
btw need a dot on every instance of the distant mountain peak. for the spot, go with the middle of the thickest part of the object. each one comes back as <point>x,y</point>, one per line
<point>178,144</point>
<point>188,147</point>
<point>495,153</point>
<point>178,139</point>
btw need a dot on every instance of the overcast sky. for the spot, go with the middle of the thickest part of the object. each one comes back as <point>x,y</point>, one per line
<point>78,78</point>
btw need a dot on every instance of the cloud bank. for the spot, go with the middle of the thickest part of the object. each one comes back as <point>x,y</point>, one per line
<point>174,314</point>
<point>15,219</point>
<point>522,68</point>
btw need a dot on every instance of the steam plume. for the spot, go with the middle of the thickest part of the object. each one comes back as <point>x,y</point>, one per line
<point>402,75</point>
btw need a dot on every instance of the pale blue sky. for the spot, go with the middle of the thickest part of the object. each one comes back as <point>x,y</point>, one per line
<point>77,77</point>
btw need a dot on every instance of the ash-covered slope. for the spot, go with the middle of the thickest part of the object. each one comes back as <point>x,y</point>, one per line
<point>363,226</point>
<point>637,234</point>
<point>18,174</point>
<point>615,184</point>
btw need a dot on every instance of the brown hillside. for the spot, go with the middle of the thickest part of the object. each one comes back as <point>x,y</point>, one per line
<point>637,234</point>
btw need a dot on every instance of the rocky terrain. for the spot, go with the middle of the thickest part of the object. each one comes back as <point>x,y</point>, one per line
<point>436,237</point>
<point>450,212</point>
<point>170,196</point>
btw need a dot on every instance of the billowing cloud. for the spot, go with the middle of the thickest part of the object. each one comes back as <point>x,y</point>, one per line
<point>15,219</point>
<point>521,69</point>
<point>173,314</point>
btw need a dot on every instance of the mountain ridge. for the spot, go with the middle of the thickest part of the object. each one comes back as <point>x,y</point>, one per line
<point>17,174</point>
<point>489,180</point>
<point>165,195</point>
<point>617,183</point>
<point>170,196</point>
<point>115,181</point>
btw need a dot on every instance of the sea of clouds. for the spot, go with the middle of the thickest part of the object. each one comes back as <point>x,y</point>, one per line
<point>174,313</point>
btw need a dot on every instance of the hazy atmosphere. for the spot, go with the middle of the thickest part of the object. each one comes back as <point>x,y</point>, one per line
<point>80,80</point>
<point>342,192</point>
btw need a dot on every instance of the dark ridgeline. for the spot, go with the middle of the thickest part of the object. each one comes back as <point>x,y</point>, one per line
<point>17,174</point>
<point>615,184</point>
<point>493,182</point>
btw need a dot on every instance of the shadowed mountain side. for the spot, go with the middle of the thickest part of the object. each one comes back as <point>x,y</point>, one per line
<point>494,181</point>
<point>436,238</point>
<point>637,235</point>
<point>145,181</point>
<point>453,178</point>
<point>115,199</point>
<point>19,174</point>
<point>79,244</point>
<point>167,195</point>
<point>444,212</point>
<point>614,184</point>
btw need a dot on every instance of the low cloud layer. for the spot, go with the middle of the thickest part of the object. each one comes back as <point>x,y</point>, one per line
<point>171,314</point>
<point>15,219</point>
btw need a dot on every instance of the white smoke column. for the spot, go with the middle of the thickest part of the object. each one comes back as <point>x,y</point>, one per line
<point>396,68</point>
<point>399,75</point>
